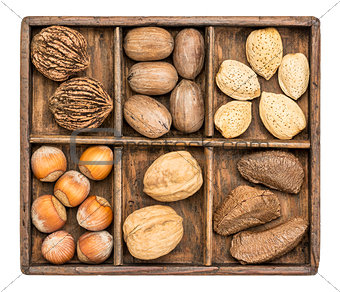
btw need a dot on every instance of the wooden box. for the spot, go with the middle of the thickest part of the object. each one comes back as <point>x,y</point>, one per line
<point>201,250</point>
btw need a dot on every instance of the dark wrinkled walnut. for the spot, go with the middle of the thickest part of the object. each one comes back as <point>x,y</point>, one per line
<point>245,207</point>
<point>276,169</point>
<point>58,52</point>
<point>80,103</point>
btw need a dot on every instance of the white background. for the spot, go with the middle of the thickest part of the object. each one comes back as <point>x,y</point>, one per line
<point>9,163</point>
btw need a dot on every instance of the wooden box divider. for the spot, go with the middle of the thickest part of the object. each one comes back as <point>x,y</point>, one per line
<point>210,142</point>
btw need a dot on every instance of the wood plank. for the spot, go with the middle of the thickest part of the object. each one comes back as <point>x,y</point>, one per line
<point>194,142</point>
<point>209,81</point>
<point>118,55</point>
<point>171,20</point>
<point>315,146</point>
<point>25,148</point>
<point>117,208</point>
<point>208,205</point>
<point>170,270</point>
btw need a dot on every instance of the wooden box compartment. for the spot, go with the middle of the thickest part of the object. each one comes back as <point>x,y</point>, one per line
<point>201,250</point>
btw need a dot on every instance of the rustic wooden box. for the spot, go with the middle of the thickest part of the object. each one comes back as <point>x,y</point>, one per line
<point>201,251</point>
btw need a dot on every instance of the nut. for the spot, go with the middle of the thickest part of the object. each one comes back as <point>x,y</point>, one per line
<point>58,52</point>
<point>237,80</point>
<point>148,44</point>
<point>264,51</point>
<point>233,118</point>
<point>48,163</point>
<point>147,116</point>
<point>94,214</point>
<point>94,247</point>
<point>282,116</point>
<point>152,78</point>
<point>189,53</point>
<point>80,103</point>
<point>72,188</point>
<point>48,214</point>
<point>173,176</point>
<point>58,248</point>
<point>152,232</point>
<point>187,107</point>
<point>294,75</point>
<point>96,162</point>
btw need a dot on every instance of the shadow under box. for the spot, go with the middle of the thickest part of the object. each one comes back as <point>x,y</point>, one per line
<point>136,161</point>
<point>227,177</point>
<point>164,99</point>
<point>230,43</point>
<point>102,188</point>
<point>100,41</point>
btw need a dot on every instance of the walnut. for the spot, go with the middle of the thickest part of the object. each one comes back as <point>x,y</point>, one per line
<point>152,232</point>
<point>80,103</point>
<point>58,52</point>
<point>173,176</point>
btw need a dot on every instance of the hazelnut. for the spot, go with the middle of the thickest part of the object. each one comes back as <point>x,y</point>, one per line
<point>48,163</point>
<point>58,248</point>
<point>96,162</point>
<point>94,214</point>
<point>48,214</point>
<point>94,247</point>
<point>72,188</point>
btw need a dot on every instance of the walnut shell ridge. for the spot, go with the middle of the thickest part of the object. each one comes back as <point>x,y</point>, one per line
<point>152,232</point>
<point>80,103</point>
<point>59,52</point>
<point>173,176</point>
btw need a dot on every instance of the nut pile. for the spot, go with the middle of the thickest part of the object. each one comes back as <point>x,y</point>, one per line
<point>72,189</point>
<point>157,77</point>
<point>282,116</point>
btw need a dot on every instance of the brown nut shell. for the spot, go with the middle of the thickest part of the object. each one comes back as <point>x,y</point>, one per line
<point>189,53</point>
<point>58,52</point>
<point>152,232</point>
<point>152,78</point>
<point>94,213</point>
<point>48,214</point>
<point>80,103</point>
<point>96,162</point>
<point>187,107</point>
<point>173,176</point>
<point>147,116</point>
<point>72,188</point>
<point>48,163</point>
<point>148,44</point>
<point>94,247</point>
<point>58,248</point>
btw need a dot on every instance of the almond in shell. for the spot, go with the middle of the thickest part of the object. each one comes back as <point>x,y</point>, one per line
<point>237,80</point>
<point>264,51</point>
<point>294,75</point>
<point>282,116</point>
<point>233,118</point>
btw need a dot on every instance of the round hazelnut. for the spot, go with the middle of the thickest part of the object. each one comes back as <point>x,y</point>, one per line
<point>48,163</point>
<point>58,248</point>
<point>96,162</point>
<point>94,247</point>
<point>72,188</point>
<point>94,214</point>
<point>48,214</point>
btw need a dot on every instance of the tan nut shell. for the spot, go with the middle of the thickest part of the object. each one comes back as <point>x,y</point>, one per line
<point>173,176</point>
<point>152,232</point>
<point>233,118</point>
<point>264,51</point>
<point>294,75</point>
<point>237,80</point>
<point>282,116</point>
